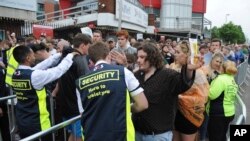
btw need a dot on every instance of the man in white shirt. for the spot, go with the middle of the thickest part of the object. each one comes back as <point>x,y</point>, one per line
<point>28,85</point>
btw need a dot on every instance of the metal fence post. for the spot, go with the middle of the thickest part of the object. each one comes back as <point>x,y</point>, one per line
<point>52,113</point>
<point>12,130</point>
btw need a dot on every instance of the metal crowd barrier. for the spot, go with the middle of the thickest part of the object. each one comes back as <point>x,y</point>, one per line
<point>7,97</point>
<point>52,129</point>
<point>241,112</point>
<point>10,111</point>
<point>243,81</point>
<point>52,112</point>
<point>242,69</point>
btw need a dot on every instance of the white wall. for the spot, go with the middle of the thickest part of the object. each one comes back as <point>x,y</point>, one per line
<point>17,13</point>
<point>30,5</point>
<point>176,14</point>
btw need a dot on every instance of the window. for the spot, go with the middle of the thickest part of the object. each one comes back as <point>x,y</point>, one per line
<point>40,7</point>
<point>40,11</point>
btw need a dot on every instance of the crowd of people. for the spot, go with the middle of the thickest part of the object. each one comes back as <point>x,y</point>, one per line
<point>125,89</point>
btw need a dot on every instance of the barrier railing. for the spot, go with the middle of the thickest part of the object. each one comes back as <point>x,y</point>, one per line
<point>242,72</point>
<point>243,116</point>
<point>240,114</point>
<point>240,106</point>
<point>10,111</point>
<point>75,11</point>
<point>7,97</point>
<point>52,112</point>
<point>52,129</point>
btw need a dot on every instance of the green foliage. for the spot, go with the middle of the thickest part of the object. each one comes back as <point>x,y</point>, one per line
<point>242,38</point>
<point>229,33</point>
<point>215,33</point>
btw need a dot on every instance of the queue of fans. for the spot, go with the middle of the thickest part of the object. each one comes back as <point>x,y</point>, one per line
<point>171,99</point>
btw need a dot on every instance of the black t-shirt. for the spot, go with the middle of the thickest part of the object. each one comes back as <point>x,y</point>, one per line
<point>67,87</point>
<point>161,91</point>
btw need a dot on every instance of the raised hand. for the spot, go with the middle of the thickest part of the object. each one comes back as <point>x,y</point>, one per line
<point>120,58</point>
<point>199,62</point>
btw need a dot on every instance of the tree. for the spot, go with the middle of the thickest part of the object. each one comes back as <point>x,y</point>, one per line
<point>215,33</point>
<point>229,33</point>
<point>242,38</point>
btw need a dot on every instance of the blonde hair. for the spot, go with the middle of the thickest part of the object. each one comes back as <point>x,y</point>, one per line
<point>184,45</point>
<point>217,55</point>
<point>229,67</point>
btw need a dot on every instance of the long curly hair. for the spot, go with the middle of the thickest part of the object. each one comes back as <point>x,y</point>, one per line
<point>154,56</point>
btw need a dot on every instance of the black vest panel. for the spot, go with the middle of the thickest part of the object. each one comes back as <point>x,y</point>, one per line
<point>31,109</point>
<point>106,102</point>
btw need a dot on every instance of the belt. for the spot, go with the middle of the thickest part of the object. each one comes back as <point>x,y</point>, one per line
<point>153,132</point>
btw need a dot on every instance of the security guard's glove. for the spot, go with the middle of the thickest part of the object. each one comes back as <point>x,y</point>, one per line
<point>66,51</point>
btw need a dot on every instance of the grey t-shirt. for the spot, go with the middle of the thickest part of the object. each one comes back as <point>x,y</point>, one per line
<point>127,50</point>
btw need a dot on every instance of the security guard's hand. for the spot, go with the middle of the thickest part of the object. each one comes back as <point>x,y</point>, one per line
<point>66,50</point>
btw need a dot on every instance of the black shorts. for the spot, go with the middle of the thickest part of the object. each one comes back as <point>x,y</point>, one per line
<point>183,125</point>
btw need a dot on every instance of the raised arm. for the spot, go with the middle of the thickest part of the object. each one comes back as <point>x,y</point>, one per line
<point>52,60</point>
<point>39,78</point>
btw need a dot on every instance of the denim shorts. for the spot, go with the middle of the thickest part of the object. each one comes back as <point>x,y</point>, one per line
<point>74,128</point>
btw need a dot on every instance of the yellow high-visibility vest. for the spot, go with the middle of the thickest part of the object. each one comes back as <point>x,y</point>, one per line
<point>11,67</point>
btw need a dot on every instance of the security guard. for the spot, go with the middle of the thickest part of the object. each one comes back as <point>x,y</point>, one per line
<point>12,63</point>
<point>106,95</point>
<point>28,84</point>
<point>11,67</point>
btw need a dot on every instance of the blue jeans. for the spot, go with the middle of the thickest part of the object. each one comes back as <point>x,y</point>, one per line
<point>167,136</point>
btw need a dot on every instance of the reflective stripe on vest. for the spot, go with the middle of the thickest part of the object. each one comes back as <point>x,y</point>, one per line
<point>12,66</point>
<point>130,126</point>
<point>44,113</point>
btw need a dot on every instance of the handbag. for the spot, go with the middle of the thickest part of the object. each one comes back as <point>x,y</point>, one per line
<point>192,102</point>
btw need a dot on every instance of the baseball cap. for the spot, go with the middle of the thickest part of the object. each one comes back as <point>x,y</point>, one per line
<point>87,31</point>
<point>111,40</point>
